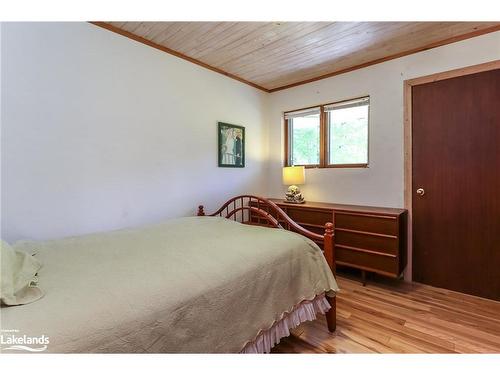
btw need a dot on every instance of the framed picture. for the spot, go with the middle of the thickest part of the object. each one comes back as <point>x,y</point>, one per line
<point>231,145</point>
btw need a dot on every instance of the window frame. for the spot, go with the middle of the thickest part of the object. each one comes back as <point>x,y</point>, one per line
<point>324,138</point>
<point>289,143</point>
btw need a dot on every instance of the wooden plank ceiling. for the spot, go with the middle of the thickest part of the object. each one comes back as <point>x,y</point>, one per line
<point>278,55</point>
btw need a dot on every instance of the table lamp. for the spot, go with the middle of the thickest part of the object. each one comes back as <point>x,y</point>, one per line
<point>294,176</point>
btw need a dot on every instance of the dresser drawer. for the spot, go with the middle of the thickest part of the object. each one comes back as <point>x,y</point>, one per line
<point>314,229</point>
<point>310,216</point>
<point>380,243</point>
<point>367,223</point>
<point>387,264</point>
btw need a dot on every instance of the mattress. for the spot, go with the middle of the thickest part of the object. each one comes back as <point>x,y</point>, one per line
<point>189,285</point>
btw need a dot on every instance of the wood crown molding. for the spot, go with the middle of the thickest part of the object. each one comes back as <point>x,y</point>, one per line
<point>443,42</point>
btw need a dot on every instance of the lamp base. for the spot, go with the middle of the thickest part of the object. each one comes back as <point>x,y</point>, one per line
<point>293,195</point>
<point>294,202</point>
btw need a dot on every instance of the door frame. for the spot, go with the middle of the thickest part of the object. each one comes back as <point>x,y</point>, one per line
<point>408,166</point>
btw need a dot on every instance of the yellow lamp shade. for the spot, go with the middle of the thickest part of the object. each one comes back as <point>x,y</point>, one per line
<point>294,175</point>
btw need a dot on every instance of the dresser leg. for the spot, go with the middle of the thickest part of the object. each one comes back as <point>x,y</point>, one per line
<point>363,277</point>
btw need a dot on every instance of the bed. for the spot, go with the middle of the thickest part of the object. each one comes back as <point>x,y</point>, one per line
<point>201,284</point>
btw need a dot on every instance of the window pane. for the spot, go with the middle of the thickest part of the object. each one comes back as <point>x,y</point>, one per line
<point>305,140</point>
<point>348,129</point>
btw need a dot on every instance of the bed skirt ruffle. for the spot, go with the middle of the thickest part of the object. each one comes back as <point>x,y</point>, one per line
<point>304,311</point>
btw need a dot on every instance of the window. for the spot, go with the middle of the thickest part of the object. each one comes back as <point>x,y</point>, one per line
<point>330,135</point>
<point>304,137</point>
<point>347,124</point>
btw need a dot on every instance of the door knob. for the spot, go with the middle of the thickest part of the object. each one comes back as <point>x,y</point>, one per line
<point>420,191</point>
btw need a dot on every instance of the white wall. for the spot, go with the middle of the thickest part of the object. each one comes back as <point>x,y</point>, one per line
<point>382,183</point>
<point>101,132</point>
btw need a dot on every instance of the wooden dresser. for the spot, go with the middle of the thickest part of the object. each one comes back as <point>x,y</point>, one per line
<point>371,239</point>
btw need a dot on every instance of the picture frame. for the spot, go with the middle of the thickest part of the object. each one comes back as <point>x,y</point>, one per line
<point>231,145</point>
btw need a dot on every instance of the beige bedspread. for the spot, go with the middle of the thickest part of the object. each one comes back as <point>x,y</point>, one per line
<point>198,284</point>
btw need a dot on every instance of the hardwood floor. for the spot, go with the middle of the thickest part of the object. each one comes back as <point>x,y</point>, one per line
<point>398,317</point>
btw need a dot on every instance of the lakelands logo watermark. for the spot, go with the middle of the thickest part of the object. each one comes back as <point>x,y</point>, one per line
<point>12,340</point>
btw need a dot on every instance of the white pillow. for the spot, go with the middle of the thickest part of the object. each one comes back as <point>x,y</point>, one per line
<point>17,276</point>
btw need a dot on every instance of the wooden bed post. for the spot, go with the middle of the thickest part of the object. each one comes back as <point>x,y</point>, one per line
<point>201,212</point>
<point>328,246</point>
<point>331,315</point>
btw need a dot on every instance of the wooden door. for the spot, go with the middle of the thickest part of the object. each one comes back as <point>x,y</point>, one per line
<point>456,161</point>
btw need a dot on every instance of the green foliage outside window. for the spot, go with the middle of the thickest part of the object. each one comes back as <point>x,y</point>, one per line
<point>349,135</point>
<point>305,140</point>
